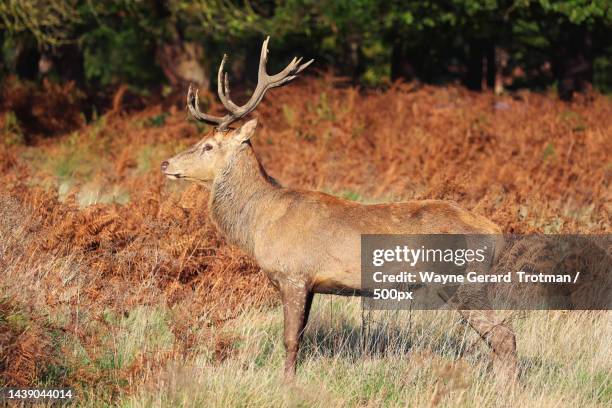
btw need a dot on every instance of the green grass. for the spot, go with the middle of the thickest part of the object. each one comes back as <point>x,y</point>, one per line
<point>157,120</point>
<point>352,196</point>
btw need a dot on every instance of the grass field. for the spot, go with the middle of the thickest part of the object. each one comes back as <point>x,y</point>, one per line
<point>113,280</point>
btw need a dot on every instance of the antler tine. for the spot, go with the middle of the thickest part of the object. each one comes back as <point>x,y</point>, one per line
<point>294,73</point>
<point>263,60</point>
<point>291,70</point>
<point>227,92</point>
<point>193,105</point>
<point>304,66</point>
<point>223,87</point>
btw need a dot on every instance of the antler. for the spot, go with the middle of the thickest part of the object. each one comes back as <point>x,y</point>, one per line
<point>264,82</point>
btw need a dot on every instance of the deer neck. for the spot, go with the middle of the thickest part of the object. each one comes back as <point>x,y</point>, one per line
<point>238,197</point>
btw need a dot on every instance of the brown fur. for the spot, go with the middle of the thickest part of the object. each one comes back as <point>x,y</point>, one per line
<point>309,242</point>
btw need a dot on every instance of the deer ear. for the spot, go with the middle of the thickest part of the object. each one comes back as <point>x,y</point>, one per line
<point>244,132</point>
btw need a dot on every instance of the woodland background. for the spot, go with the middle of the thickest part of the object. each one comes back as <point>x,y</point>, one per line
<point>149,44</point>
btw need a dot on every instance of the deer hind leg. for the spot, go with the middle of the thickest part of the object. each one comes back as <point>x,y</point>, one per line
<point>297,300</point>
<point>499,337</point>
<point>309,299</point>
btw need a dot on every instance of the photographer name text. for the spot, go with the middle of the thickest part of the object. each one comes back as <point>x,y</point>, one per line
<point>472,277</point>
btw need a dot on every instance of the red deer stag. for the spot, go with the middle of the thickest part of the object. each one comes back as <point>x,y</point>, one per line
<point>306,241</point>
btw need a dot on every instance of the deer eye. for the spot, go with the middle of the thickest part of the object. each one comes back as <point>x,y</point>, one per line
<point>207,147</point>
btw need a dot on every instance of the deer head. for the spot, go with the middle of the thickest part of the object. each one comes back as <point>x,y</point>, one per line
<point>203,161</point>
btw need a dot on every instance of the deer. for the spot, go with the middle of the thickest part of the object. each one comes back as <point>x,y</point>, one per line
<point>308,242</point>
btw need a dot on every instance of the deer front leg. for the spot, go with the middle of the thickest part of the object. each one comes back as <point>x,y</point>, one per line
<point>296,305</point>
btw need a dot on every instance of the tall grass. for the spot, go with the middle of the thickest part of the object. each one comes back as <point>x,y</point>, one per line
<point>424,362</point>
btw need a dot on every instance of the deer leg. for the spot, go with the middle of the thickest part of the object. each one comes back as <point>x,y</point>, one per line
<point>309,298</point>
<point>295,300</point>
<point>499,337</point>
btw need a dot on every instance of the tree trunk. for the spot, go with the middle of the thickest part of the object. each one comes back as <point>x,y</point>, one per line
<point>401,67</point>
<point>573,61</point>
<point>481,58</point>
